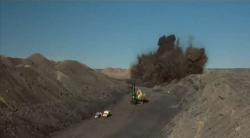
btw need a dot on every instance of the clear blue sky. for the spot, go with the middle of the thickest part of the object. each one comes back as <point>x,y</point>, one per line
<point>111,34</point>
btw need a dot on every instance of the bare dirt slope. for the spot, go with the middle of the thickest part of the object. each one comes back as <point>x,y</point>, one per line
<point>219,108</point>
<point>39,96</point>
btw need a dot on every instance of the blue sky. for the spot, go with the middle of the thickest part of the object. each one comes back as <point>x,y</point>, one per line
<point>112,34</point>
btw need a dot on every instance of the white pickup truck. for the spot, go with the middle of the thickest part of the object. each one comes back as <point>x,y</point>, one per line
<point>106,113</point>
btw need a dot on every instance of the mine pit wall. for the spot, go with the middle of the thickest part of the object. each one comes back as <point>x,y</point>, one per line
<point>218,106</point>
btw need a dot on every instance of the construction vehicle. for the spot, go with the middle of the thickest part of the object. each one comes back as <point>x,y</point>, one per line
<point>133,94</point>
<point>137,96</point>
<point>140,95</point>
<point>98,115</point>
<point>106,113</point>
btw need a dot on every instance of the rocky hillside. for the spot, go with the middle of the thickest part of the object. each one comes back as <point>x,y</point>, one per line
<point>213,105</point>
<point>39,96</point>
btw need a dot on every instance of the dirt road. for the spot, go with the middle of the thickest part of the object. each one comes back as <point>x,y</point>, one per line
<point>142,120</point>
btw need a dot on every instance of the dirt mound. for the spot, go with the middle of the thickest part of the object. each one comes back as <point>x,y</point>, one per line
<point>116,73</point>
<point>215,104</point>
<point>39,96</point>
<point>38,59</point>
